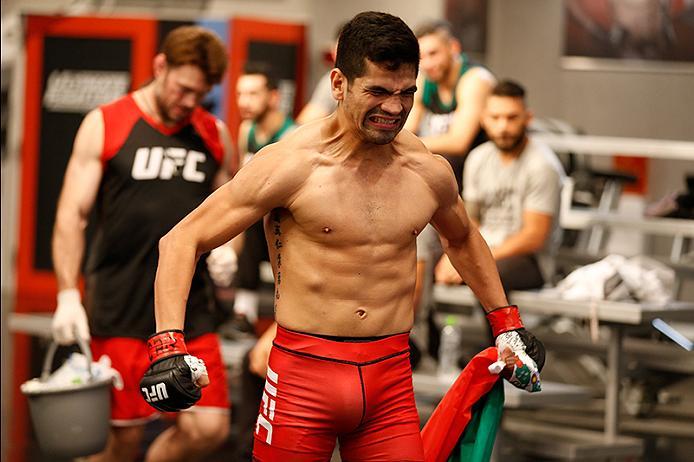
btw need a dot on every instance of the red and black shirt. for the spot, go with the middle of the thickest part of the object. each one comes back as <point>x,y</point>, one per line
<point>153,176</point>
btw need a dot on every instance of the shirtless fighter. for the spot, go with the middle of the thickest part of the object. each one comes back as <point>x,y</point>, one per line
<point>348,195</point>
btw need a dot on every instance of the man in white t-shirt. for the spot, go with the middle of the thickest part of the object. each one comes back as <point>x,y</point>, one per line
<point>511,189</point>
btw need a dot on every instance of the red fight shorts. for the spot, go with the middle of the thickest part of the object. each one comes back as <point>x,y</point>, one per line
<point>129,357</point>
<point>319,390</point>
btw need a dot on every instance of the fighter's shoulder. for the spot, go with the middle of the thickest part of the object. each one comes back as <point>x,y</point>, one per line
<point>291,153</point>
<point>413,147</point>
<point>410,142</point>
<point>441,179</point>
<point>433,168</point>
<point>301,140</point>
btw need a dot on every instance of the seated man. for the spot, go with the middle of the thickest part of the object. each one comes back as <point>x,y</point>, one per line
<point>511,189</point>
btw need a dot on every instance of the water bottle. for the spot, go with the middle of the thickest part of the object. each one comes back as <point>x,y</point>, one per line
<point>449,350</point>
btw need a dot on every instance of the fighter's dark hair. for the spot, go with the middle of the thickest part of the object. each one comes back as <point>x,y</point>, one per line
<point>381,38</point>
<point>264,69</point>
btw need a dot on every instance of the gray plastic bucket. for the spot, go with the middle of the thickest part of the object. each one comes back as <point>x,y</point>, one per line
<point>75,421</point>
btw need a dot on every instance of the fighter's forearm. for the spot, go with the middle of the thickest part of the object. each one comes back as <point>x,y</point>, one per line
<point>473,260</point>
<point>177,260</point>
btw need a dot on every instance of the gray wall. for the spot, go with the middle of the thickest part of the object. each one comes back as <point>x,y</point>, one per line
<point>526,42</point>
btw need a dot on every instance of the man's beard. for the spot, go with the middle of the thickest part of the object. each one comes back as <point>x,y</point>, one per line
<point>511,145</point>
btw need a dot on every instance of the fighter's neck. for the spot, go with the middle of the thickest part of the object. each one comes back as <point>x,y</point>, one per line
<point>342,140</point>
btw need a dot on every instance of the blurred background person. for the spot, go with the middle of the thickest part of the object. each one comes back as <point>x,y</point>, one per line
<point>322,102</point>
<point>451,92</point>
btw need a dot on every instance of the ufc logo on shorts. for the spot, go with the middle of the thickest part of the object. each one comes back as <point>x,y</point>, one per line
<point>165,163</point>
<point>267,412</point>
<point>155,393</point>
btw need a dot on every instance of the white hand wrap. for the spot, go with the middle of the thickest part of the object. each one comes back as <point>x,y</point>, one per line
<point>197,367</point>
<point>525,372</point>
<point>69,319</point>
<point>222,264</point>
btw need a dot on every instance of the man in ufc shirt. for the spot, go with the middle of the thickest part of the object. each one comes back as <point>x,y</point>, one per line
<point>145,160</point>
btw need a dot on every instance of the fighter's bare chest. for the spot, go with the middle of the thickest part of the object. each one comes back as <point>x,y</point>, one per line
<point>364,210</point>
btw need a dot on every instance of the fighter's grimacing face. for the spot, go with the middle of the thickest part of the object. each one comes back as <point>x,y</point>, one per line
<point>505,120</point>
<point>179,90</point>
<point>380,100</point>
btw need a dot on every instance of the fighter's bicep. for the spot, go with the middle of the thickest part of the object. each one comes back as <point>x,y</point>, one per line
<point>450,218</point>
<point>452,222</point>
<point>222,216</point>
<point>255,190</point>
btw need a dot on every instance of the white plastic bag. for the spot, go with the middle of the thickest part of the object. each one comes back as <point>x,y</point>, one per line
<point>74,372</point>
